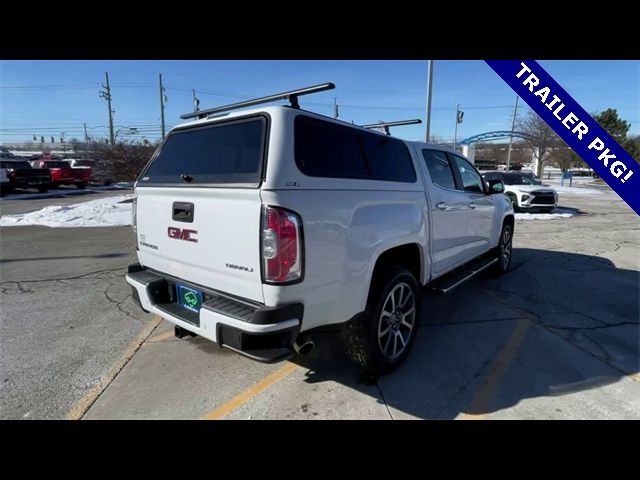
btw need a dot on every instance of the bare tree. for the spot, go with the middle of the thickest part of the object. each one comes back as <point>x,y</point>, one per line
<point>565,159</point>
<point>439,140</point>
<point>541,138</point>
<point>124,161</point>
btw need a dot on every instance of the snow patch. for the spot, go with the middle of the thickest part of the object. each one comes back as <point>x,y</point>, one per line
<point>104,212</point>
<point>577,190</point>
<point>555,213</point>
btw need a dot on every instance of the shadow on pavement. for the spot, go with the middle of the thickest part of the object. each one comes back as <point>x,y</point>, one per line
<point>558,323</point>
<point>64,257</point>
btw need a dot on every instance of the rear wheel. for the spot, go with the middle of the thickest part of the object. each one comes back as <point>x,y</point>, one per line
<point>381,337</point>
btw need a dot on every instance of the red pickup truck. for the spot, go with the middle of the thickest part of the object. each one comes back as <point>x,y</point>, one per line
<point>63,174</point>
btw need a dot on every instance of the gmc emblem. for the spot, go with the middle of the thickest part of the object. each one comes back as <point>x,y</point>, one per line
<point>183,234</point>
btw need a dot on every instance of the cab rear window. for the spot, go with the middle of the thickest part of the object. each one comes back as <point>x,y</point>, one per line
<point>56,165</point>
<point>223,153</point>
<point>15,165</point>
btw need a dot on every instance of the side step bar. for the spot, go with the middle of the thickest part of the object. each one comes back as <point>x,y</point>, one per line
<point>450,281</point>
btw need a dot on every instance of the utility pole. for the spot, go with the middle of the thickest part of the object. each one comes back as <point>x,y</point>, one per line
<point>106,94</point>
<point>86,143</point>
<point>429,85</point>
<point>459,117</point>
<point>161,108</point>
<point>335,107</point>
<point>513,126</point>
<point>196,101</point>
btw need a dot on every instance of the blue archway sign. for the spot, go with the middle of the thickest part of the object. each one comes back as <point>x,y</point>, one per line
<point>481,137</point>
<point>574,125</point>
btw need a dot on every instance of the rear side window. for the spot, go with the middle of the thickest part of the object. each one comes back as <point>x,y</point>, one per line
<point>389,158</point>
<point>214,154</point>
<point>323,149</point>
<point>439,168</point>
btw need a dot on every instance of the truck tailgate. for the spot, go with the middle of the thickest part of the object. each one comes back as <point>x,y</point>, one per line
<point>216,245</point>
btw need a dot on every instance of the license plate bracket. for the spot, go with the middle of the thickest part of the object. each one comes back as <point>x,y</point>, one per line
<point>189,298</point>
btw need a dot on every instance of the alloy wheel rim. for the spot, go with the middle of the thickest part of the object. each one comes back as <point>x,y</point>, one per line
<point>397,321</point>
<point>505,249</point>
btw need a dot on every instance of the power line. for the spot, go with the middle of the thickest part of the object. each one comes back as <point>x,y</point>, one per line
<point>47,87</point>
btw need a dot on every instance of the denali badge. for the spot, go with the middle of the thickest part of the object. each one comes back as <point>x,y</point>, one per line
<point>183,234</point>
<point>239,267</point>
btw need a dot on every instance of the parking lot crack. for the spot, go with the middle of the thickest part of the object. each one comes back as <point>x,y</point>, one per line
<point>604,354</point>
<point>383,400</point>
<point>597,327</point>
<point>555,330</point>
<point>62,279</point>
<point>532,298</point>
<point>119,304</point>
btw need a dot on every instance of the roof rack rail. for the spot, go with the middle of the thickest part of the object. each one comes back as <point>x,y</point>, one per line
<point>386,125</point>
<point>291,96</point>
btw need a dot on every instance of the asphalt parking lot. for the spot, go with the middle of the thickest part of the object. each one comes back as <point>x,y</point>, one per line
<point>558,337</point>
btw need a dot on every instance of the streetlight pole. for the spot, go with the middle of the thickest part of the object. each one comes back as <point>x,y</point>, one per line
<point>455,134</point>
<point>429,90</point>
<point>513,126</point>
<point>459,116</point>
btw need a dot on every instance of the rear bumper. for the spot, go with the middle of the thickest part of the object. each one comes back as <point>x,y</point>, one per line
<point>262,333</point>
<point>538,206</point>
<point>28,182</point>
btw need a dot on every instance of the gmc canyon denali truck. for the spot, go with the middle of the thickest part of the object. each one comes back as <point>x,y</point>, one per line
<point>256,227</point>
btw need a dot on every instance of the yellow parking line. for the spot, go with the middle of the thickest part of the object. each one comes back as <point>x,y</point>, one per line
<point>242,398</point>
<point>483,397</point>
<point>635,377</point>
<point>82,405</point>
<point>161,336</point>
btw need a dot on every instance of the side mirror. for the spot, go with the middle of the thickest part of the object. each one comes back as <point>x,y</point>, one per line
<point>496,186</point>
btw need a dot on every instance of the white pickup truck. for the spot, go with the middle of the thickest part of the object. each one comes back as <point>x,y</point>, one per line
<point>256,227</point>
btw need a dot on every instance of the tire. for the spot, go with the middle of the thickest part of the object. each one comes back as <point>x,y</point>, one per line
<point>514,201</point>
<point>380,338</point>
<point>81,185</point>
<point>504,250</point>
<point>43,189</point>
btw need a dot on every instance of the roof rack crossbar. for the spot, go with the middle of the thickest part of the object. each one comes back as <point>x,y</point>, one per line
<point>291,96</point>
<point>386,125</point>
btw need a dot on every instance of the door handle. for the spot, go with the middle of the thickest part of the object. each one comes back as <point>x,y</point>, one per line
<point>442,205</point>
<point>182,212</point>
<point>473,205</point>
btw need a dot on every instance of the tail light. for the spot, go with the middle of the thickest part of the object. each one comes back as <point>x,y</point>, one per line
<point>134,218</point>
<point>282,255</point>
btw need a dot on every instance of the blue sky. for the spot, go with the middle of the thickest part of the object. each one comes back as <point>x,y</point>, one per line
<point>50,97</point>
